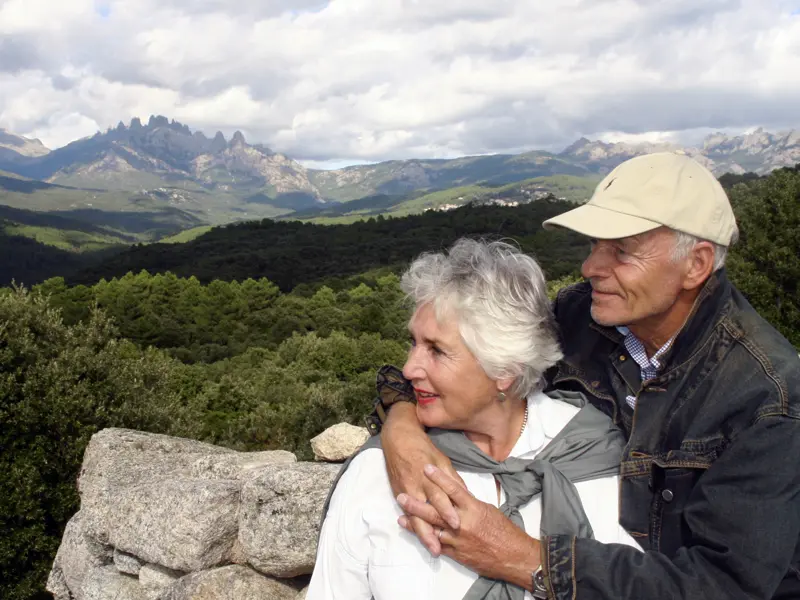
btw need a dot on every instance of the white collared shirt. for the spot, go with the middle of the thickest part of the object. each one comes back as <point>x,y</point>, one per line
<point>363,553</point>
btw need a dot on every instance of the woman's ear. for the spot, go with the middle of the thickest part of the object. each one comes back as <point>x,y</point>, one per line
<point>503,385</point>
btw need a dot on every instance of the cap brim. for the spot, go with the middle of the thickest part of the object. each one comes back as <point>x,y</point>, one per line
<point>601,223</point>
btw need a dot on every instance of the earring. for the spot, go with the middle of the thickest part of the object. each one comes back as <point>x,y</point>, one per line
<point>501,396</point>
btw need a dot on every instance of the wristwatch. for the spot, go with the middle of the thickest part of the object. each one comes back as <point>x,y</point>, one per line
<point>537,580</point>
<point>391,387</point>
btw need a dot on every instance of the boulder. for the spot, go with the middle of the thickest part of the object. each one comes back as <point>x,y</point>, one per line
<point>185,524</point>
<point>280,514</point>
<point>238,465</point>
<point>127,563</point>
<point>77,556</point>
<point>117,459</point>
<point>234,582</point>
<point>339,442</point>
<point>57,584</point>
<point>106,583</point>
<point>155,579</point>
<point>302,594</point>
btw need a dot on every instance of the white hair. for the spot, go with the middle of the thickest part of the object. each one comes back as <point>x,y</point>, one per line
<point>685,242</point>
<point>498,298</point>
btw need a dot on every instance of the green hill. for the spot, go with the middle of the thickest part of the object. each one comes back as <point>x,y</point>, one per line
<point>289,253</point>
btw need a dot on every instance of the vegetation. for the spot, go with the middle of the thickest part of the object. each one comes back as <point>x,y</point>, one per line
<point>291,253</point>
<point>260,335</point>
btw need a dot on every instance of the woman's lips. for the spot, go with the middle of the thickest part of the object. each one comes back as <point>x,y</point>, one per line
<point>424,397</point>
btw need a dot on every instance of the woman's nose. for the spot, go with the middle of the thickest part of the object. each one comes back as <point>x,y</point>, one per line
<point>413,368</point>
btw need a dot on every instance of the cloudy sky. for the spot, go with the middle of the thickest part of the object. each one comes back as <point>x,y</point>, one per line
<point>364,80</point>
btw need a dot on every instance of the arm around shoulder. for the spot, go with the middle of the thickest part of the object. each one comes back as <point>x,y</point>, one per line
<point>743,517</point>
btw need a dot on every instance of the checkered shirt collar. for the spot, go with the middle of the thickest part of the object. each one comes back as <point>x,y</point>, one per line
<point>649,366</point>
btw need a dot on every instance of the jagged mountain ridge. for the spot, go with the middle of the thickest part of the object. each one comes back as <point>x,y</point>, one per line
<point>759,151</point>
<point>164,153</point>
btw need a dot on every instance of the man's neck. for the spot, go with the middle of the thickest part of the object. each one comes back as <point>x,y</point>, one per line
<point>654,332</point>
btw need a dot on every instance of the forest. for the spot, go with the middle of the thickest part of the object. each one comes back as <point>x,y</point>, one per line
<point>260,335</point>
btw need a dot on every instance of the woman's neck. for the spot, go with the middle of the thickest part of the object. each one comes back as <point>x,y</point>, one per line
<point>497,430</point>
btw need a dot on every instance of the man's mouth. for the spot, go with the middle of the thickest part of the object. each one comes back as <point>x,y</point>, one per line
<point>425,397</point>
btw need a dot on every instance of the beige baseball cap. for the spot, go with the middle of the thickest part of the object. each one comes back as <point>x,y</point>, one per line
<point>646,192</point>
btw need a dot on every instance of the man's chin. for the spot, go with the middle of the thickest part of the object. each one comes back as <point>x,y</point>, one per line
<point>605,318</point>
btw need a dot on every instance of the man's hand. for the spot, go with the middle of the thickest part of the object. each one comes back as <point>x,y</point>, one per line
<point>487,541</point>
<point>407,449</point>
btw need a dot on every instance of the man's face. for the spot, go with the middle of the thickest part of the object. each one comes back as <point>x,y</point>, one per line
<point>633,279</point>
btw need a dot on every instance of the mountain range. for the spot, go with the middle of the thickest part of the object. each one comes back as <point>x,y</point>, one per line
<point>167,154</point>
<point>144,182</point>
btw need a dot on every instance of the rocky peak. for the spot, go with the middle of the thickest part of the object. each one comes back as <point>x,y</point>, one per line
<point>136,123</point>
<point>21,145</point>
<point>238,139</point>
<point>158,121</point>
<point>575,147</point>
<point>219,143</point>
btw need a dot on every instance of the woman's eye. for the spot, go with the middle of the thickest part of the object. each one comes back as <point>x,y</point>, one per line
<point>411,342</point>
<point>436,350</point>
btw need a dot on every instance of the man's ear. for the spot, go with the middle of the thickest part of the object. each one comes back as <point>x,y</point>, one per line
<point>701,265</point>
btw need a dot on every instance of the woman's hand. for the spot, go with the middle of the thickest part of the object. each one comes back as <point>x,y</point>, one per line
<point>407,449</point>
<point>487,541</point>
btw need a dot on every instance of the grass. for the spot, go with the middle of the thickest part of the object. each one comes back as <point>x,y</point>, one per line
<point>74,241</point>
<point>186,236</point>
<point>570,187</point>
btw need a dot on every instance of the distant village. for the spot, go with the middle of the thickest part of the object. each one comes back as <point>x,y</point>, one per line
<point>523,195</point>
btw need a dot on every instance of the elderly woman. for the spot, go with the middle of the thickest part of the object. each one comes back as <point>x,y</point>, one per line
<point>482,336</point>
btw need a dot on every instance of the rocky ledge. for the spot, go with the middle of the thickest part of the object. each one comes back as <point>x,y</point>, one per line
<point>165,518</point>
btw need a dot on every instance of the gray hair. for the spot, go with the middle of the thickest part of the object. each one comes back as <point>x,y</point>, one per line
<point>499,299</point>
<point>685,242</point>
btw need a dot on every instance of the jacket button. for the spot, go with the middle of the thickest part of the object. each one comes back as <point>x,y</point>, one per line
<point>667,495</point>
<point>622,357</point>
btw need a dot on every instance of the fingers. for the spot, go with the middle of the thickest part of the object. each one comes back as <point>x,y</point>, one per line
<point>442,504</point>
<point>421,510</point>
<point>456,493</point>
<point>427,534</point>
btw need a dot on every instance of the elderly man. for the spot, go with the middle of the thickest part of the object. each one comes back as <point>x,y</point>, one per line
<point>706,391</point>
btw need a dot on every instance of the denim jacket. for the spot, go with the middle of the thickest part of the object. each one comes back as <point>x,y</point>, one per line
<point>710,477</point>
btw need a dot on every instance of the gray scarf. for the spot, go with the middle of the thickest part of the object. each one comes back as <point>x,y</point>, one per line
<point>589,447</point>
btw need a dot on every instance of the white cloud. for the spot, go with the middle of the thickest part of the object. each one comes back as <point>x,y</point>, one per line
<point>363,80</point>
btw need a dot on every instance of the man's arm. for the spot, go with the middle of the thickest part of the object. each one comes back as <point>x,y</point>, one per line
<point>743,516</point>
<point>744,519</point>
<point>407,449</point>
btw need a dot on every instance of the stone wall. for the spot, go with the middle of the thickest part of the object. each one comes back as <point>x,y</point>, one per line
<point>165,518</point>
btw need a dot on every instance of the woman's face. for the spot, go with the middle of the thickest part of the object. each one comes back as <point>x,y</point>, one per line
<point>452,389</point>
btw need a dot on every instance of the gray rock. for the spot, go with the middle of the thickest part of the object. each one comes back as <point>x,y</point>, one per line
<point>238,465</point>
<point>234,582</point>
<point>106,583</point>
<point>155,579</point>
<point>186,525</point>
<point>339,442</point>
<point>76,557</point>
<point>117,459</point>
<point>280,515</point>
<point>126,563</point>
<point>302,594</point>
<point>57,584</point>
